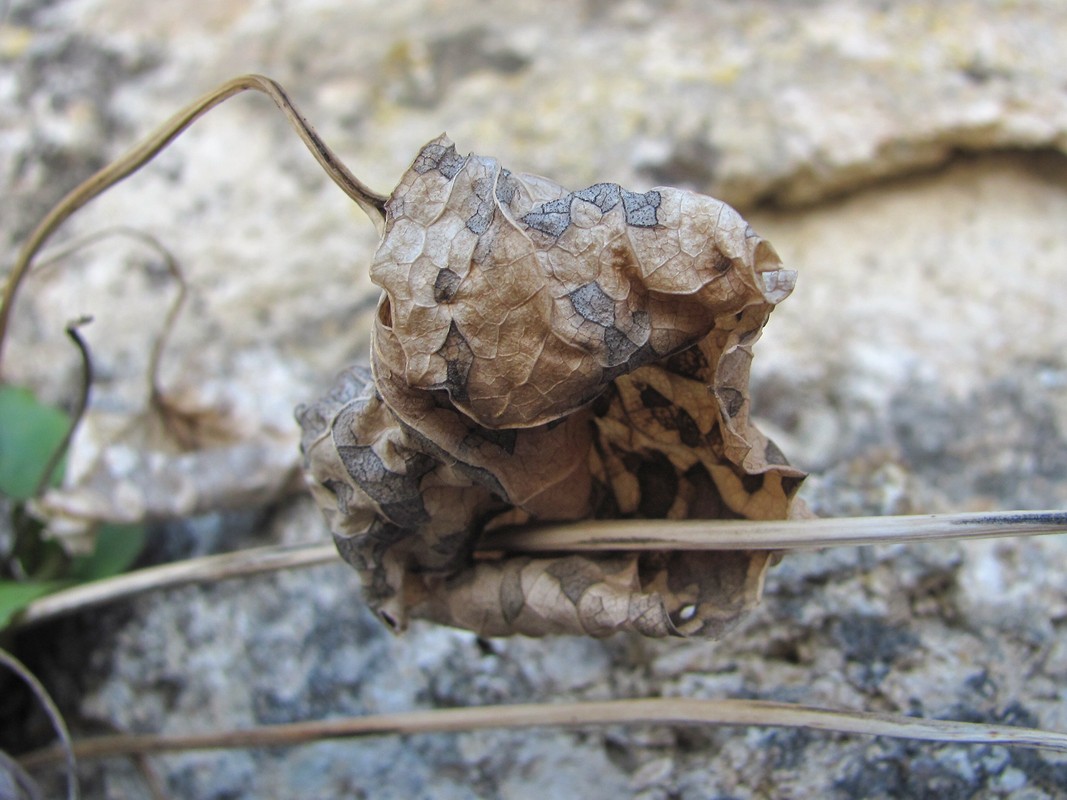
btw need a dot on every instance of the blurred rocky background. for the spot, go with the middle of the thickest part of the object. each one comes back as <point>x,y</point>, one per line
<point>908,159</point>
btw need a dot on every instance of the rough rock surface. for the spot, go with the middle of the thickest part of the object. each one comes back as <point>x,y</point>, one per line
<point>907,159</point>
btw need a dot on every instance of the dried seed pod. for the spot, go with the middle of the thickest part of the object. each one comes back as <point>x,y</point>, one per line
<point>544,354</point>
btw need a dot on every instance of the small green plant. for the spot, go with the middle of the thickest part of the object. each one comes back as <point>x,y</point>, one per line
<point>31,565</point>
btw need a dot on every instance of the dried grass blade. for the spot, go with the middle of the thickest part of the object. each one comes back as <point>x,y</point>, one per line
<point>773,534</point>
<point>582,536</point>
<point>661,711</point>
<point>195,570</point>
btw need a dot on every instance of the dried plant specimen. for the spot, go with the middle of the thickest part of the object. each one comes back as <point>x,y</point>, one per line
<point>545,354</point>
<point>539,354</point>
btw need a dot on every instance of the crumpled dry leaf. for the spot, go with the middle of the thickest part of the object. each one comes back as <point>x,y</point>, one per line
<point>542,354</point>
<point>132,481</point>
<point>205,445</point>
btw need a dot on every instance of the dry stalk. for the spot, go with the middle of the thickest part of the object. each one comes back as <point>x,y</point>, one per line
<point>369,200</point>
<point>789,534</point>
<point>195,570</point>
<point>65,749</point>
<point>657,711</point>
<point>580,536</point>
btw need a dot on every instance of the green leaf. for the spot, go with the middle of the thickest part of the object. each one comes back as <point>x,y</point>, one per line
<point>29,434</point>
<point>16,595</point>
<point>117,546</point>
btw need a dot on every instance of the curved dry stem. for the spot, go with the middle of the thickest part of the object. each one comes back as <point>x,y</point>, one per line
<point>155,390</point>
<point>79,410</point>
<point>14,775</point>
<point>367,199</point>
<point>585,536</point>
<point>65,750</point>
<point>157,399</point>
<point>656,711</point>
<point>174,269</point>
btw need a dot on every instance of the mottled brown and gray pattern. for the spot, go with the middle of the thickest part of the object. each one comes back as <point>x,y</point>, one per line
<point>542,354</point>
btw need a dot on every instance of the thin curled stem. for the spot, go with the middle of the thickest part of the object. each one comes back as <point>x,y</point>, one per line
<point>79,409</point>
<point>170,263</point>
<point>367,199</point>
<point>65,749</point>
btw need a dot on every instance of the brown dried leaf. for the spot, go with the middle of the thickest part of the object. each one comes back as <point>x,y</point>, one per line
<point>203,446</point>
<point>541,354</point>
